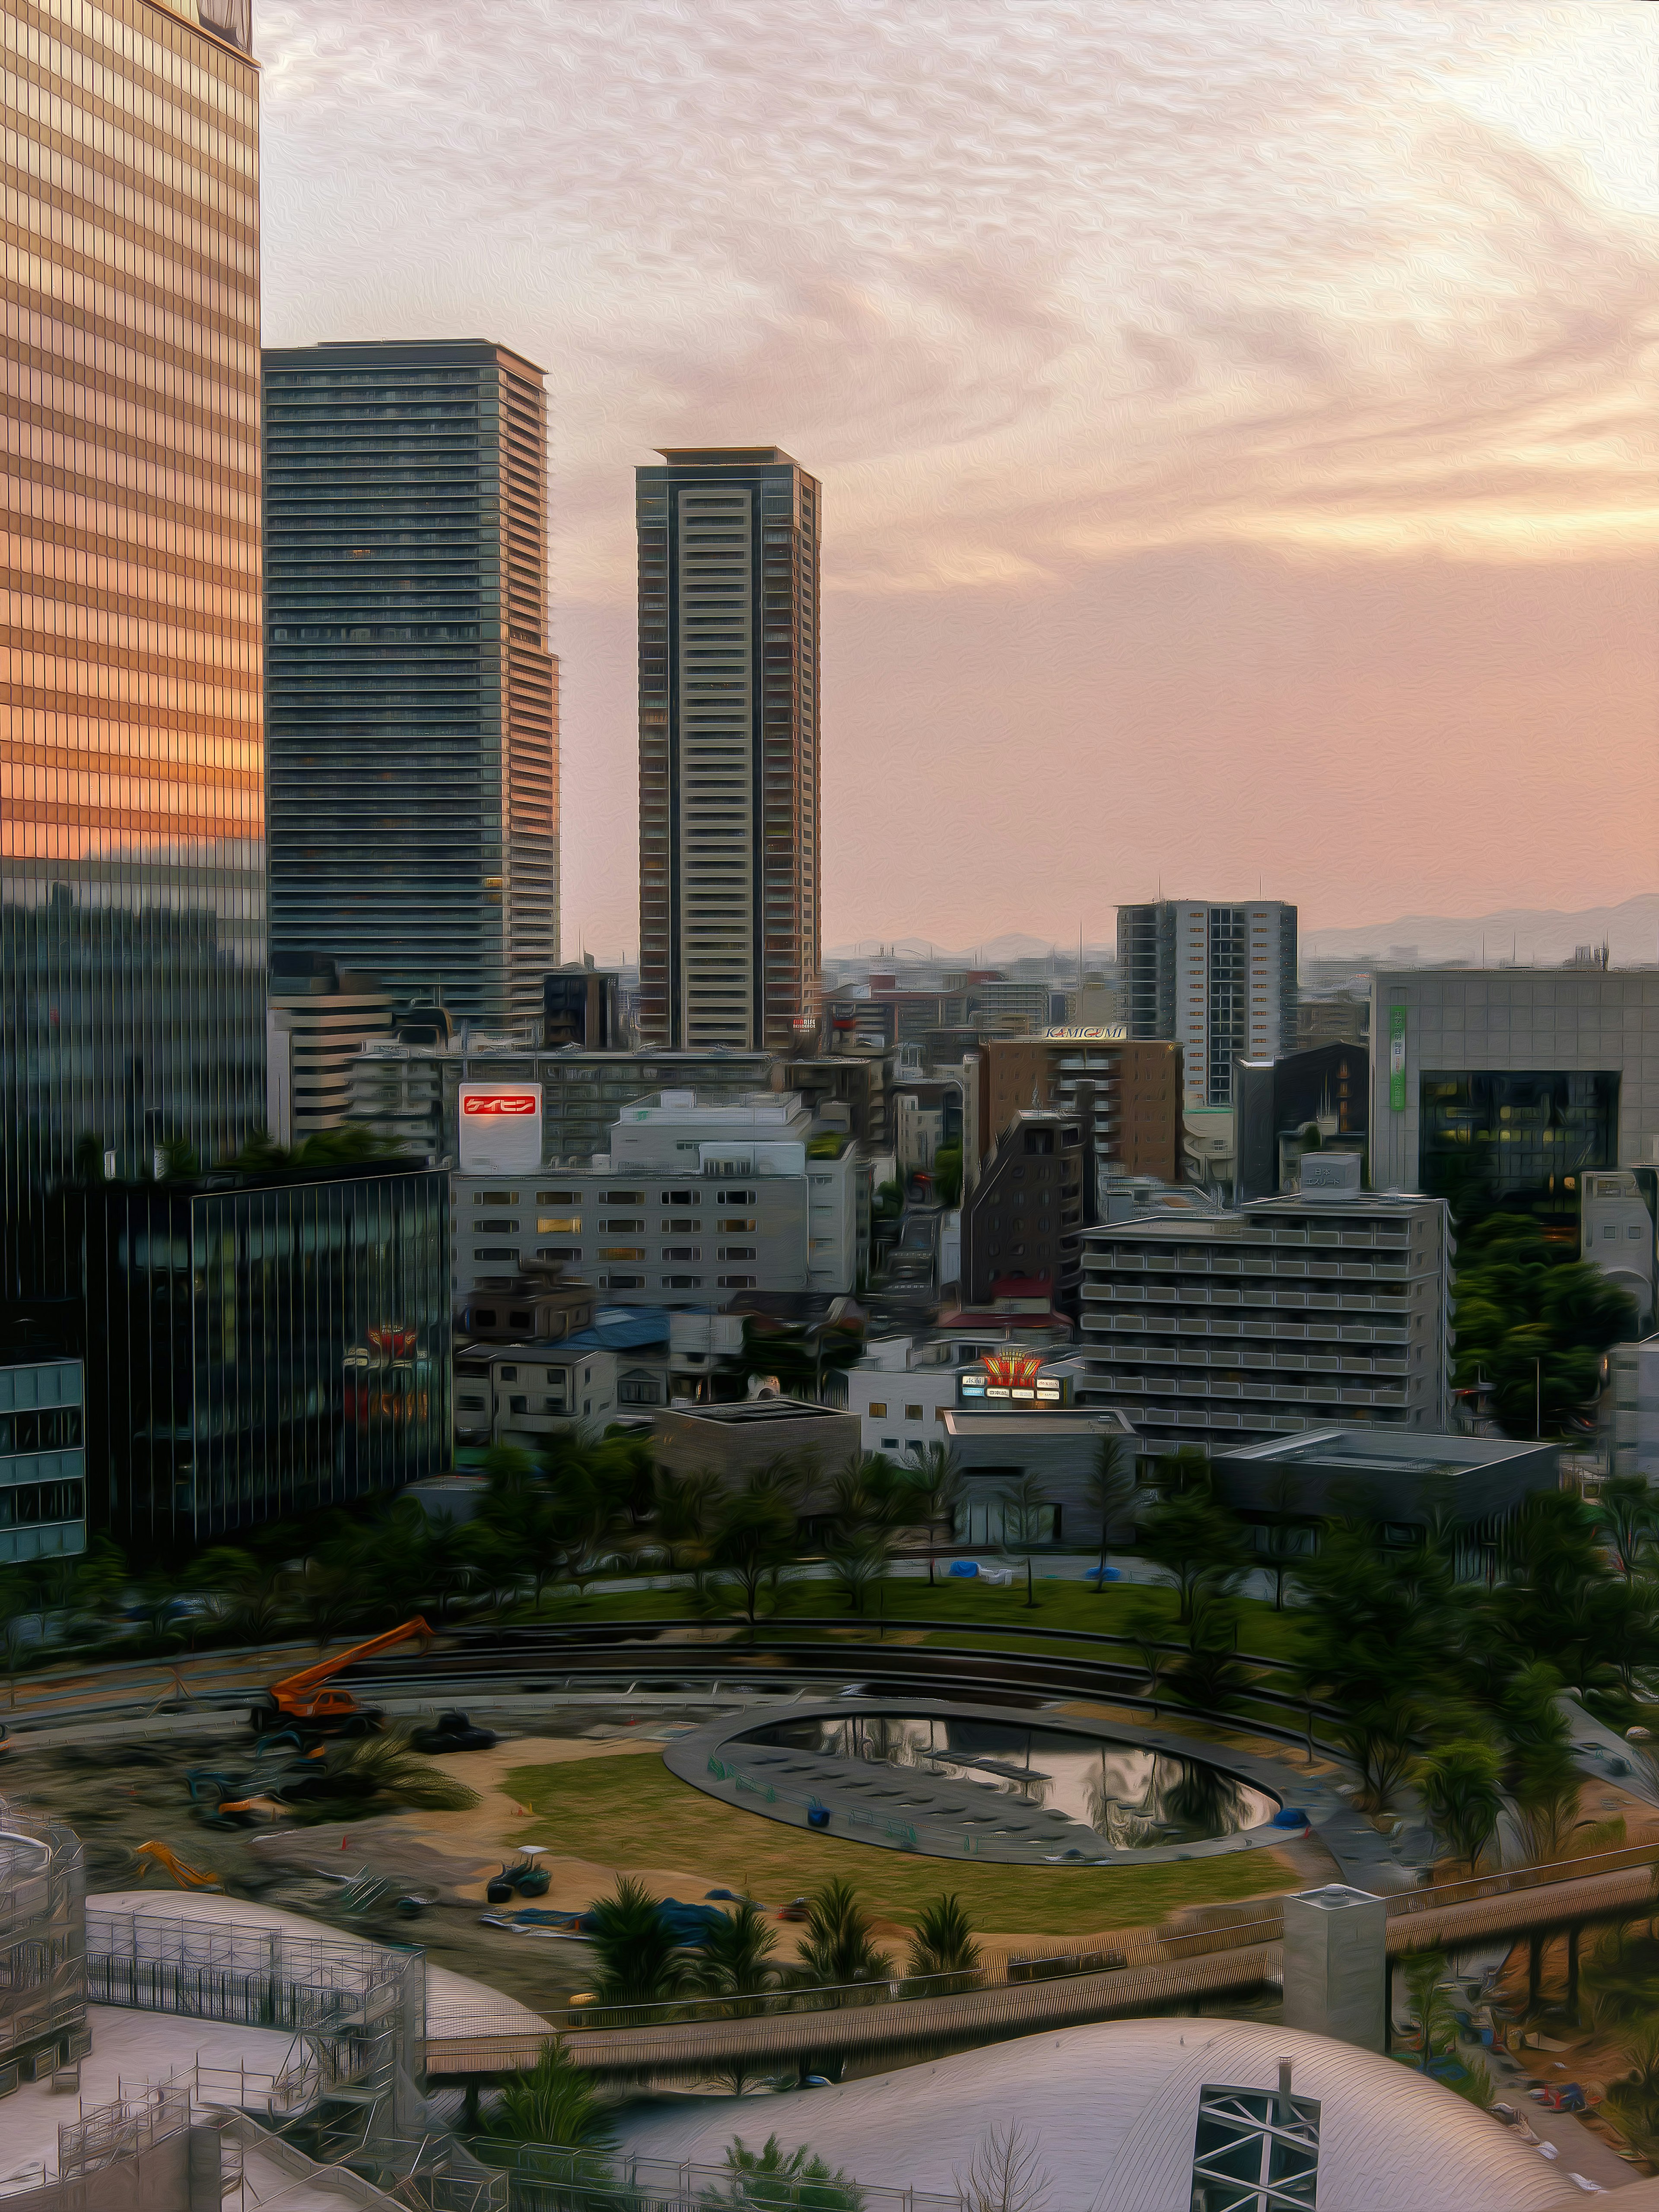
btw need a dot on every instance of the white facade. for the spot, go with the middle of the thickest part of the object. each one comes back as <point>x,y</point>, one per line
<point>313,1040</point>
<point>1544,1020</point>
<point>1305,1312</point>
<point>900,1392</point>
<point>1633,1409</point>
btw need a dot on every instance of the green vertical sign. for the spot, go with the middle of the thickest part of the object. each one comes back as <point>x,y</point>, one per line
<point>1397,1059</point>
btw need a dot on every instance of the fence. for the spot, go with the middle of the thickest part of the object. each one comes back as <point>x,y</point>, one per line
<point>1622,1861</point>
<point>546,2178</point>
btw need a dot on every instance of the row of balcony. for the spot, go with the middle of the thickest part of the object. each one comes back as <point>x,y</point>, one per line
<point>1124,1295</point>
<point>1110,1259</point>
<point>1117,1385</point>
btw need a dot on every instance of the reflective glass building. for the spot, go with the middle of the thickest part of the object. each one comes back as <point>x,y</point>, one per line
<point>131,819</point>
<point>411,702</point>
<point>256,1344</point>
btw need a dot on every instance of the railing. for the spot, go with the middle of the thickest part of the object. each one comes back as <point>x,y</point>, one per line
<point>1129,1948</point>
<point>1626,1858</point>
<point>544,2179</point>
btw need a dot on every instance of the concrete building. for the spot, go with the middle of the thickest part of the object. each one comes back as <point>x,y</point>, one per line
<point>693,1200</point>
<point>43,1469</point>
<point>1403,1482</point>
<point>1329,1308</point>
<point>579,1007</point>
<point>1137,1086</point>
<point>1220,981</point>
<point>411,708</point>
<point>996,1447</point>
<point>729,541</point>
<point>526,1393</point>
<point>132,869</point>
<point>1025,1218</point>
<point>737,1441</point>
<point>902,1388</point>
<point>1631,1410</point>
<point>318,1019</point>
<point>1302,1100</point>
<point>1501,1086</point>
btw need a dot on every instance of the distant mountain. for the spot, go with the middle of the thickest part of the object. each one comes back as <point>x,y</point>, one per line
<point>1539,936</point>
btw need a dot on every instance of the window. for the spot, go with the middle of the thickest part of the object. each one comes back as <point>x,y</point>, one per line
<point>674,1227</point>
<point>496,1252</point>
<point>681,1198</point>
<point>878,1409</point>
<point>737,1226</point>
<point>736,1197</point>
<point>483,1316</point>
<point>913,1413</point>
<point>682,1282</point>
<point>736,1252</point>
<point>49,1428</point>
<point>470,1404</point>
<point>735,1282</point>
<point>496,1228</point>
<point>624,1283</point>
<point>506,1374</point>
<point>622,1252</point>
<point>495,1198</point>
<point>525,1320</point>
<point>518,1404</point>
<point>559,1224</point>
<point>558,1198</point>
<point>622,1197</point>
<point>558,1251</point>
<point>625,1223</point>
<point>682,1252</point>
<point>639,1390</point>
<point>551,1405</point>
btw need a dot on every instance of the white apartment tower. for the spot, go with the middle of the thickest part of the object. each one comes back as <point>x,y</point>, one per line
<point>1218,980</point>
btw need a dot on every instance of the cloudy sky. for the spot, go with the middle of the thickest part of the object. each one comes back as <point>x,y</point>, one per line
<point>1235,416</point>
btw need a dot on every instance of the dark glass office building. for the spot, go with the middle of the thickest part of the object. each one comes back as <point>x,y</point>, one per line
<point>257,1344</point>
<point>411,702</point>
<point>131,804</point>
<point>1514,1140</point>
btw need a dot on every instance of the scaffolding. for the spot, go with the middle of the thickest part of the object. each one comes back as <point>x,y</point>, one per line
<point>43,1966</point>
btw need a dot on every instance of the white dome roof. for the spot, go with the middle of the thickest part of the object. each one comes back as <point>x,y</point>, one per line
<point>1114,2110</point>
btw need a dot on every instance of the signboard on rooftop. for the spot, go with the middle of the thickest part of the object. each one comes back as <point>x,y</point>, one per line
<point>501,1128</point>
<point>1106,1033</point>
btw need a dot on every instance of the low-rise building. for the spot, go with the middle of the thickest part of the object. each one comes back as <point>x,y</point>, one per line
<point>1474,1486</point>
<point>997,1447</point>
<point>1330,1307</point>
<point>737,1441</point>
<point>693,1203</point>
<point>317,1019</point>
<point>43,1488</point>
<point>903,1387</point>
<point>1025,1216</point>
<point>524,1393</point>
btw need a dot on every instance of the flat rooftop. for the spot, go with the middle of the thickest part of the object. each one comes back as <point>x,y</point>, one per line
<point>753,1411</point>
<point>1366,1451</point>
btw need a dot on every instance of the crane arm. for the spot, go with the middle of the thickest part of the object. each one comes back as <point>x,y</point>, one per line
<point>291,1686</point>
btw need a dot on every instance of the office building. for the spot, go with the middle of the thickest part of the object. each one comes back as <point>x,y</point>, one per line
<point>729,828</point>
<point>1137,1087</point>
<point>318,1019</point>
<point>579,1006</point>
<point>260,1344</point>
<point>411,701</point>
<point>1219,981</point>
<point>1330,1308</point>
<point>1319,1097</point>
<point>131,825</point>
<point>43,1488</point>
<point>693,1203</point>
<point>1022,1221</point>
<point>1500,1087</point>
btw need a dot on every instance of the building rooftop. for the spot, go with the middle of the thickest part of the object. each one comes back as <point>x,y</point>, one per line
<point>1375,1451</point>
<point>755,1412</point>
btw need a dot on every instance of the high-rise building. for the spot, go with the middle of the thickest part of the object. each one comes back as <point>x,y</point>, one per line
<point>131,810</point>
<point>412,702</point>
<point>729,935</point>
<point>1218,980</point>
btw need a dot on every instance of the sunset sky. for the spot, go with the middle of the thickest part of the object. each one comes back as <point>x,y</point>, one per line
<point>1235,416</point>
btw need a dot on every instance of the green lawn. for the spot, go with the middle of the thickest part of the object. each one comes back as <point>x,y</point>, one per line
<point>1121,1609</point>
<point>632,1812</point>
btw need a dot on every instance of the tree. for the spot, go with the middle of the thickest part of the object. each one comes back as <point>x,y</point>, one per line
<point>937,1482</point>
<point>753,1539</point>
<point>735,1960</point>
<point>839,1947</point>
<point>1431,2010</point>
<point>1282,1537</point>
<point>1532,1321</point>
<point>1024,1503</point>
<point>17,1607</point>
<point>1006,2173</point>
<point>247,1593</point>
<point>1190,1533</point>
<point>553,2101</point>
<point>1210,1675</point>
<point>640,1962</point>
<point>682,1507</point>
<point>387,1767</point>
<point>947,1175</point>
<point>942,1943</point>
<point>1628,1513</point>
<point>1110,1484</point>
<point>1540,1771</point>
<point>798,2179</point>
<point>1458,1784</point>
<point>858,1564</point>
<point>1632,2101</point>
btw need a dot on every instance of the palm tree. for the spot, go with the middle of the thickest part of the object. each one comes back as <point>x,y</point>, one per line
<point>247,1592</point>
<point>840,1946</point>
<point>553,2101</point>
<point>640,1962</point>
<point>1632,2100</point>
<point>936,1483</point>
<point>683,1502</point>
<point>1111,1484</point>
<point>386,1766</point>
<point>736,1959</point>
<point>1458,1784</point>
<point>857,1563</point>
<point>942,1943</point>
<point>797,2179</point>
<point>1431,2010</point>
<point>1023,1504</point>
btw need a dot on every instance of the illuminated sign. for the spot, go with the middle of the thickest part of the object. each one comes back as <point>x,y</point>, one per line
<point>501,1131</point>
<point>1011,1370</point>
<point>1107,1033</point>
<point>1015,1376</point>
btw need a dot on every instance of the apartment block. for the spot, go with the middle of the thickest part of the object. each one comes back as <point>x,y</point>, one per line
<point>1219,981</point>
<point>1137,1099</point>
<point>1329,1309</point>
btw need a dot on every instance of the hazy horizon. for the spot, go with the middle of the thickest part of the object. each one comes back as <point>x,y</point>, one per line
<point>1235,427</point>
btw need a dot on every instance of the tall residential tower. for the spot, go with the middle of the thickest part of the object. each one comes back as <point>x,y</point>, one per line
<point>412,704</point>
<point>131,809</point>
<point>1218,980</point>
<point>729,927</point>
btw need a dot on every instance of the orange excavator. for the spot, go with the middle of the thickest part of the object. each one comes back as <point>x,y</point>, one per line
<point>306,1702</point>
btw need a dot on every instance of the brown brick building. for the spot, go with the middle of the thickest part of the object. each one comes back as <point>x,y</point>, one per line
<point>1137,1097</point>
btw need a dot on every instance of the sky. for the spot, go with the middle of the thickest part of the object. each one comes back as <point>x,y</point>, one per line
<point>1235,418</point>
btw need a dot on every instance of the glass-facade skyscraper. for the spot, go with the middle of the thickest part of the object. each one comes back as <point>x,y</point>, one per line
<point>131,810</point>
<point>729,825</point>
<point>411,701</point>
